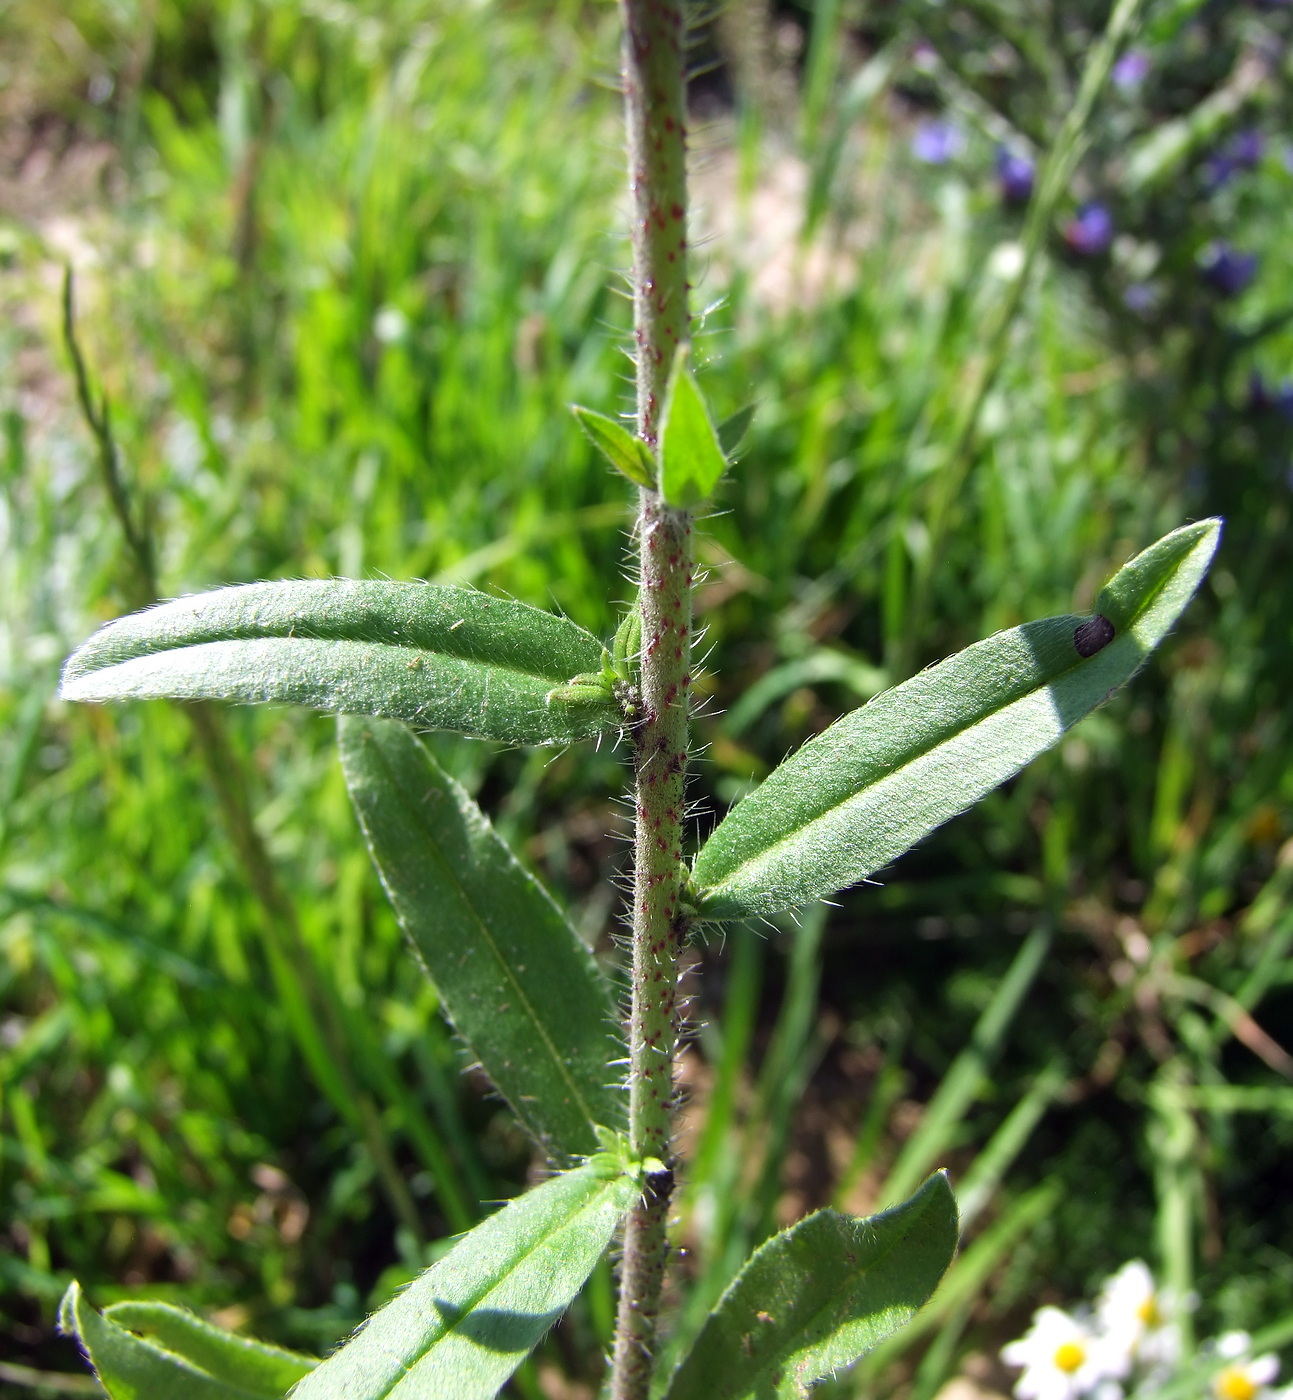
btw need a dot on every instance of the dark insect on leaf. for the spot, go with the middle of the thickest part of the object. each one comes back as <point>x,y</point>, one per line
<point>1093,635</point>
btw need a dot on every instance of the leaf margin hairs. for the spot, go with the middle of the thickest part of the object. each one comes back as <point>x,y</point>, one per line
<point>426,835</point>
<point>373,1361</point>
<point>833,814</point>
<point>437,655</point>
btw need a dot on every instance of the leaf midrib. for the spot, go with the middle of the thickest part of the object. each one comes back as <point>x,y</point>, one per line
<point>912,757</point>
<point>477,1299</point>
<point>417,651</point>
<point>562,1069</point>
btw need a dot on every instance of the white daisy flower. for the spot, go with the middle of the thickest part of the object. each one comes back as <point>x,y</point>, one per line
<point>1244,1377</point>
<point>1061,1356</point>
<point>1135,1318</point>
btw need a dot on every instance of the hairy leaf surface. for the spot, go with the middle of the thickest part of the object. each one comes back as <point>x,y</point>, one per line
<point>466,1324</point>
<point>625,451</point>
<point>818,1296</point>
<point>243,1361</point>
<point>884,776</point>
<point>132,1368</point>
<point>437,656</point>
<point>517,983</point>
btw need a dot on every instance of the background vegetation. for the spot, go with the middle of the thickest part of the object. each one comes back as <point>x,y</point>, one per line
<point>340,269</point>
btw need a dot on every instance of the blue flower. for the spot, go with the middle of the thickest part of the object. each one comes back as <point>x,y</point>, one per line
<point>1090,231</point>
<point>936,142</point>
<point>1140,297</point>
<point>1131,69</point>
<point>1016,176</point>
<point>1264,397</point>
<point>1242,152</point>
<point>1226,269</point>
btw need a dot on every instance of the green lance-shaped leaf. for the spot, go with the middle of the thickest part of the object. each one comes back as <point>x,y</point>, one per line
<point>884,776</point>
<point>437,656</point>
<point>691,459</point>
<point>466,1324</point>
<point>243,1361</point>
<point>514,978</point>
<point>626,452</point>
<point>818,1296</point>
<point>184,1359</point>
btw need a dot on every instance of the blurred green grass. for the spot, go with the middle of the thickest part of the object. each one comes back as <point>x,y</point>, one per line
<point>346,268</point>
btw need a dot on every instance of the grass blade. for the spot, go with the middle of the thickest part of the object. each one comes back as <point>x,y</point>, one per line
<point>961,1085</point>
<point>437,656</point>
<point>883,777</point>
<point>514,978</point>
<point>468,1322</point>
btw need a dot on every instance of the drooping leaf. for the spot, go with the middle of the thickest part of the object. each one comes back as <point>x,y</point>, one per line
<point>818,1296</point>
<point>131,1368</point>
<point>241,1361</point>
<point>691,460</point>
<point>731,431</point>
<point>437,656</point>
<point>884,776</point>
<point>625,451</point>
<point>514,978</point>
<point>464,1326</point>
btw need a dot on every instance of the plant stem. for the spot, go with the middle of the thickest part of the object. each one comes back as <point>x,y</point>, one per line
<point>655,104</point>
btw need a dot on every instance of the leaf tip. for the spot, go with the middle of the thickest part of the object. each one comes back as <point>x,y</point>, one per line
<point>67,1310</point>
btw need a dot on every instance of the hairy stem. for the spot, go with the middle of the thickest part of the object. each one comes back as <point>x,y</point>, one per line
<point>654,88</point>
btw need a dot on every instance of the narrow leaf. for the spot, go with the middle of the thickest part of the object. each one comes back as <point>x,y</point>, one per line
<point>818,1296</point>
<point>437,656</point>
<point>732,431</point>
<point>886,775</point>
<point>625,451</point>
<point>691,460</point>
<point>241,1361</point>
<point>514,978</point>
<point>130,1368</point>
<point>463,1327</point>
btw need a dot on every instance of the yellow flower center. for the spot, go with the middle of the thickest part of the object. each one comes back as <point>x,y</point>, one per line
<point>1148,1312</point>
<point>1070,1355</point>
<point>1234,1383</point>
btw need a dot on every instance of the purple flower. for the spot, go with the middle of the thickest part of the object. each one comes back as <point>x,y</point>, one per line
<point>1090,231</point>
<point>1242,152</point>
<point>1226,269</point>
<point>1131,70</point>
<point>1016,175</point>
<point>1263,397</point>
<point>936,142</point>
<point>1140,297</point>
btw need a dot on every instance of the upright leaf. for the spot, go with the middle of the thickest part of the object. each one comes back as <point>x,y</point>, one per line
<point>517,983</point>
<point>130,1368</point>
<point>462,1328</point>
<point>625,451</point>
<point>691,460</point>
<point>886,775</point>
<point>818,1296</point>
<point>437,656</point>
